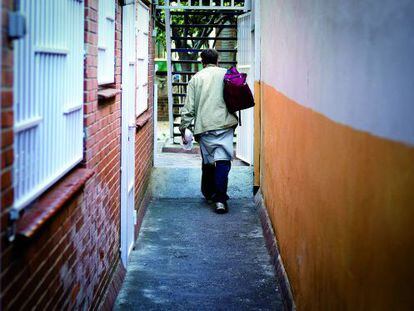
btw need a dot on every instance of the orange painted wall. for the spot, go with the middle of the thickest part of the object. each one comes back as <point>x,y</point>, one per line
<point>342,205</point>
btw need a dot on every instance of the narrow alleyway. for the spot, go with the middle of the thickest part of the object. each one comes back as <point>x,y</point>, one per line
<point>189,258</point>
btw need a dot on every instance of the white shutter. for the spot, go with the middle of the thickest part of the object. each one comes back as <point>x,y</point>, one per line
<point>106,41</point>
<point>48,95</point>
<point>142,58</point>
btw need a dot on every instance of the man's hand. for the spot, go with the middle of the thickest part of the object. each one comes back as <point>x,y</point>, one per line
<point>183,137</point>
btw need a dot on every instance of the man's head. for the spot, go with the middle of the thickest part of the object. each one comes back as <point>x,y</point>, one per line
<point>209,56</point>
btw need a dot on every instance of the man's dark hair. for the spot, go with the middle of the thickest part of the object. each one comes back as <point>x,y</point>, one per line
<point>209,56</point>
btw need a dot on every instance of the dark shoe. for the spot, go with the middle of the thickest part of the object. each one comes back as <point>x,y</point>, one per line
<point>221,208</point>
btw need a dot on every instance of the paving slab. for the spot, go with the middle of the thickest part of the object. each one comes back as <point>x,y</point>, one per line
<point>189,258</point>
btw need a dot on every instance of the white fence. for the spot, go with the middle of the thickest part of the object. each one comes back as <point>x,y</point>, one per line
<point>48,95</point>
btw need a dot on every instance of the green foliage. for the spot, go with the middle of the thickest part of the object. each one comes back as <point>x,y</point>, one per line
<point>160,27</point>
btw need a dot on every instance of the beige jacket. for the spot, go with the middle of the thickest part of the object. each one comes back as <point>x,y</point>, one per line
<point>205,104</point>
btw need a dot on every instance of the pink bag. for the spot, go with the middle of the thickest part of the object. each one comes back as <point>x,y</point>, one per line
<point>237,93</point>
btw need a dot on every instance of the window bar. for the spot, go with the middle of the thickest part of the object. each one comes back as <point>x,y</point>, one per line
<point>23,156</point>
<point>54,87</point>
<point>32,158</point>
<point>24,81</point>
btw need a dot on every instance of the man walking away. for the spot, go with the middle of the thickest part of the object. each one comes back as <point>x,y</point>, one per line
<point>213,128</point>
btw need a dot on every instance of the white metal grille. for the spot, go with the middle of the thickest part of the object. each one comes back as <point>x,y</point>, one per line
<point>142,58</point>
<point>106,41</point>
<point>48,95</point>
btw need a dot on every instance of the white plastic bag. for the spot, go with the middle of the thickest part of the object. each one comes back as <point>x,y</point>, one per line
<point>188,135</point>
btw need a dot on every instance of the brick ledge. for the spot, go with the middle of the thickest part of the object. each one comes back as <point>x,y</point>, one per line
<point>143,119</point>
<point>51,202</point>
<point>107,93</point>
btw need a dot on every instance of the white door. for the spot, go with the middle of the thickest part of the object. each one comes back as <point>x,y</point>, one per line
<point>128,132</point>
<point>245,57</point>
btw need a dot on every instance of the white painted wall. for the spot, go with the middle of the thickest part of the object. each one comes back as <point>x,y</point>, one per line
<point>353,61</point>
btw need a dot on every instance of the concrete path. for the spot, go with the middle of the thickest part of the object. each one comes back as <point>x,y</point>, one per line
<point>189,258</point>
<point>178,182</point>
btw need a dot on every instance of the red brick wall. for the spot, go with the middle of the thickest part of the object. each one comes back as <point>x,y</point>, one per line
<point>6,139</point>
<point>144,142</point>
<point>71,261</point>
<point>102,155</point>
<point>6,120</point>
<point>6,114</point>
<point>162,114</point>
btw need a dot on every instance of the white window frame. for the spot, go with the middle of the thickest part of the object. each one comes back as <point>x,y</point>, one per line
<point>142,51</point>
<point>106,42</point>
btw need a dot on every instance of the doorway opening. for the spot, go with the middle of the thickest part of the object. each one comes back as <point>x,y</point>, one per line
<point>183,31</point>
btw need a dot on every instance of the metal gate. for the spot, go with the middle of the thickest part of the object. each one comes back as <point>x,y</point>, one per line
<point>128,132</point>
<point>245,61</point>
